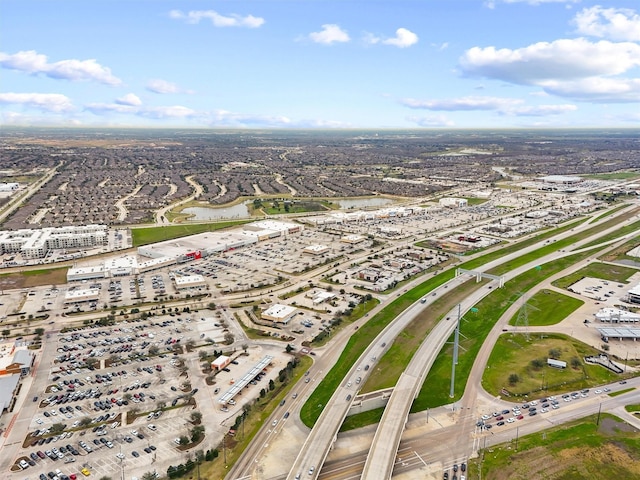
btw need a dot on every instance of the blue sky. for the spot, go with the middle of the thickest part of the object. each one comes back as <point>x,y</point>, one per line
<point>320,64</point>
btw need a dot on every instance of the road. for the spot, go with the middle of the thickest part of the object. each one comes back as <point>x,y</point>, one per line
<point>317,445</point>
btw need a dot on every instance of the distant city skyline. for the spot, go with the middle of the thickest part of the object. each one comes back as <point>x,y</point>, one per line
<point>320,64</point>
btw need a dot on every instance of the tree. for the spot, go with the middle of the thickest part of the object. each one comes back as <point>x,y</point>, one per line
<point>576,363</point>
<point>105,477</point>
<point>228,338</point>
<point>149,476</point>
<point>39,331</point>
<point>245,347</point>
<point>153,350</point>
<point>514,378</point>
<point>57,427</point>
<point>190,345</point>
<point>289,348</point>
<point>197,432</point>
<point>537,364</point>
<point>84,421</point>
<point>555,353</point>
<point>161,404</point>
<point>202,354</point>
<point>196,417</point>
<point>5,332</point>
<point>184,440</point>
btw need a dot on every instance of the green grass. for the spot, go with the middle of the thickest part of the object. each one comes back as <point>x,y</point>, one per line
<point>631,228</point>
<point>146,235</point>
<point>632,408</point>
<point>301,206</point>
<point>474,200</point>
<point>512,354</point>
<point>613,176</point>
<point>363,419</point>
<point>604,271</point>
<point>620,392</point>
<point>571,451</point>
<point>548,307</point>
<point>609,212</point>
<point>359,341</point>
<point>474,330</point>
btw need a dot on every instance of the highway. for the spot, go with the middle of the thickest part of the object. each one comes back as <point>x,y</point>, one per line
<point>318,444</point>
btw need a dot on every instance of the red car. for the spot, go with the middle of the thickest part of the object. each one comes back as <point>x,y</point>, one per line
<point>520,417</point>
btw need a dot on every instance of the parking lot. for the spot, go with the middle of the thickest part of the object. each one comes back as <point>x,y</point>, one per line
<point>110,407</point>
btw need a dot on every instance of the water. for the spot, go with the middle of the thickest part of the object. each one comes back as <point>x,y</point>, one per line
<point>207,213</point>
<point>363,202</point>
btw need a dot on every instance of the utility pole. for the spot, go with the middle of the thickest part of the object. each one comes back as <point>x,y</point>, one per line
<point>599,410</point>
<point>455,355</point>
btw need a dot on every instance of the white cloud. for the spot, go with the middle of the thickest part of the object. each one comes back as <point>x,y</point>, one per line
<point>226,118</point>
<point>162,86</point>
<point>504,106</point>
<point>432,121</point>
<point>566,59</point>
<point>492,3</point>
<point>613,23</point>
<point>404,38</point>
<point>462,103</point>
<point>597,89</point>
<point>107,108</point>
<point>330,34</point>
<point>34,63</point>
<point>129,99</point>
<point>174,111</point>
<point>50,102</point>
<point>541,110</point>
<point>576,68</point>
<point>232,20</point>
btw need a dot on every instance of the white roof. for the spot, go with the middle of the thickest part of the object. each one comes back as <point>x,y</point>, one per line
<point>77,294</point>
<point>279,311</point>
<point>188,280</point>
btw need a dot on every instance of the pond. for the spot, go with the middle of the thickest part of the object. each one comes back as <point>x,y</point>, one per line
<point>208,213</point>
<point>363,202</point>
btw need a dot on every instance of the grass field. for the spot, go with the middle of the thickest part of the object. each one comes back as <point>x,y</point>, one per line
<point>34,278</point>
<point>548,307</point>
<point>363,419</point>
<point>474,329</point>
<point>513,354</point>
<point>572,451</point>
<point>613,176</point>
<point>630,228</point>
<point>146,235</point>
<point>474,200</point>
<point>609,212</point>
<point>299,206</point>
<point>604,271</point>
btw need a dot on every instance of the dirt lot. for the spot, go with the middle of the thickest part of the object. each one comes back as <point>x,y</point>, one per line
<point>55,276</point>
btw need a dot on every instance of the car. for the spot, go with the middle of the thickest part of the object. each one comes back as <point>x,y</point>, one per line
<point>85,471</point>
<point>606,389</point>
<point>135,454</point>
<point>348,398</point>
<point>532,413</point>
<point>486,417</point>
<point>622,382</point>
<point>282,403</point>
<point>40,454</point>
<point>505,412</point>
<point>499,424</point>
<point>311,470</point>
<point>455,467</point>
<point>544,410</point>
<point>445,476</point>
<point>555,406</point>
<point>598,391</point>
<point>511,420</point>
<point>274,423</point>
<point>147,449</point>
<point>35,399</point>
<point>306,380</point>
<point>152,447</point>
<point>23,464</point>
<point>463,467</point>
<point>520,417</point>
<point>120,455</point>
<point>294,396</point>
<point>151,426</point>
<point>499,417</point>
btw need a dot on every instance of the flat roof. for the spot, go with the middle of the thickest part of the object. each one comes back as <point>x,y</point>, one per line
<point>7,386</point>
<point>87,292</point>
<point>279,311</point>
<point>619,332</point>
<point>189,280</point>
<point>245,380</point>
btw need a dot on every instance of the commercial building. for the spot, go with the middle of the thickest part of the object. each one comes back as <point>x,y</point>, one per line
<point>315,249</point>
<point>16,360</point>
<point>279,313</point>
<point>452,202</point>
<point>83,295</point>
<point>188,282</point>
<point>77,274</point>
<point>221,362</point>
<point>633,295</point>
<point>9,187</point>
<point>9,385</point>
<point>34,244</point>
<point>352,239</point>
<point>615,315</point>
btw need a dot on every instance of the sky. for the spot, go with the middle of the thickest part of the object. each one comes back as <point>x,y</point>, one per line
<point>320,63</point>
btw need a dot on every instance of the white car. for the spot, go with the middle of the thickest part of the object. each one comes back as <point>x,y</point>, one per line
<point>533,403</point>
<point>120,455</point>
<point>598,391</point>
<point>151,426</point>
<point>544,410</point>
<point>511,420</point>
<point>486,417</point>
<point>516,412</point>
<point>555,406</point>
